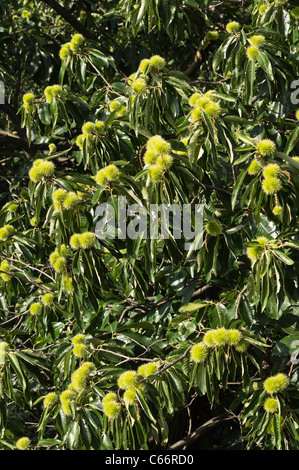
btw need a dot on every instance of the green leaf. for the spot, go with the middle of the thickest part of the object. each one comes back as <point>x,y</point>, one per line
<point>49,442</point>
<point>292,244</point>
<point>192,307</point>
<point>144,406</point>
<point>292,140</point>
<point>283,257</point>
<point>290,160</point>
<point>277,431</point>
<point>73,434</point>
<point>237,187</point>
<point>245,139</point>
<point>18,370</point>
<point>250,79</point>
<point>265,64</point>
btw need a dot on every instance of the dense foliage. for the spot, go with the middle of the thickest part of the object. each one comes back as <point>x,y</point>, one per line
<point>137,342</point>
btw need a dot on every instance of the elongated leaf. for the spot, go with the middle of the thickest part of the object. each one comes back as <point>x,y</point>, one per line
<point>265,63</point>
<point>283,257</point>
<point>18,370</point>
<point>237,187</point>
<point>292,140</point>
<point>192,307</point>
<point>144,406</point>
<point>250,78</point>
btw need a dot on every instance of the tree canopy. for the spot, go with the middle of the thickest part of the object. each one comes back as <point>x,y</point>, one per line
<point>132,341</point>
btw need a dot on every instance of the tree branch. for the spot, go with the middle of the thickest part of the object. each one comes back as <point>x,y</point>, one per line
<point>15,119</point>
<point>69,18</point>
<point>10,143</point>
<point>196,61</point>
<point>201,430</point>
<point>146,308</point>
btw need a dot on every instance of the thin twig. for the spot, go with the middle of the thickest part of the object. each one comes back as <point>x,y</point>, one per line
<point>122,355</point>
